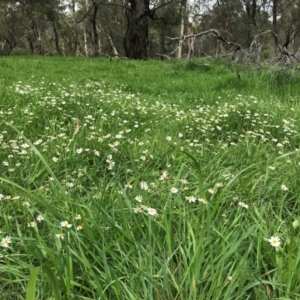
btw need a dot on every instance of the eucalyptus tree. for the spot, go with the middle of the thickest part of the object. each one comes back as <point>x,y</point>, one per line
<point>8,27</point>
<point>129,19</point>
<point>286,21</point>
<point>168,21</point>
<point>35,17</point>
<point>96,21</point>
<point>138,12</point>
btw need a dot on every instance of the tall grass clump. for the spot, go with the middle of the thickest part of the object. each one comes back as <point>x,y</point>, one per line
<point>147,180</point>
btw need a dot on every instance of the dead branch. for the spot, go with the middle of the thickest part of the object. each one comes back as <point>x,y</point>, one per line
<point>240,54</point>
<point>213,32</point>
<point>257,36</point>
<point>163,55</point>
<point>282,49</point>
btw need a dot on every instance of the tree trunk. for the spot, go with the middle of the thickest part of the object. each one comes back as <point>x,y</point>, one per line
<point>7,46</point>
<point>39,43</point>
<point>86,46</point>
<point>56,37</point>
<point>179,52</point>
<point>94,29</point>
<point>191,41</point>
<point>99,29</point>
<point>251,9</point>
<point>31,45</point>
<point>136,37</point>
<point>35,41</point>
<point>274,21</point>
<point>78,49</point>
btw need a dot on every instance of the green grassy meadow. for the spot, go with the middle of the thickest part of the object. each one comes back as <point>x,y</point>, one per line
<point>164,180</point>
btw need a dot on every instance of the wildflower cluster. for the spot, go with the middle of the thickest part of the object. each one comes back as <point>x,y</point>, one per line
<point>112,153</point>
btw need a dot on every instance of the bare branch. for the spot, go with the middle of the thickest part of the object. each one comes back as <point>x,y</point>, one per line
<point>172,52</point>
<point>163,55</point>
<point>282,49</point>
<point>207,32</point>
<point>241,54</point>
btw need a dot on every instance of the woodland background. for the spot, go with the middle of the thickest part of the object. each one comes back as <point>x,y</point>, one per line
<point>141,29</point>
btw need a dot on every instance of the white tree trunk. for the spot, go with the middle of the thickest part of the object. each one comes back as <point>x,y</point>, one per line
<point>179,52</point>
<point>191,41</point>
<point>86,47</point>
<point>99,39</point>
<point>190,30</point>
<point>113,48</point>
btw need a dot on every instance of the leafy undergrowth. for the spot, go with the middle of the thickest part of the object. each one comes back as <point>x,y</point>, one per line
<point>111,190</point>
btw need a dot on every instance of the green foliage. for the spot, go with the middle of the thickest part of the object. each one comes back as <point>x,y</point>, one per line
<point>147,180</point>
<point>282,76</point>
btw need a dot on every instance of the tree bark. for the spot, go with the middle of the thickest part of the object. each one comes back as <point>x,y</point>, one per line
<point>86,46</point>
<point>31,45</point>
<point>274,22</point>
<point>136,37</point>
<point>251,9</point>
<point>190,31</point>
<point>179,53</point>
<point>9,47</point>
<point>94,28</point>
<point>56,37</point>
<point>35,40</point>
